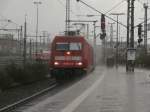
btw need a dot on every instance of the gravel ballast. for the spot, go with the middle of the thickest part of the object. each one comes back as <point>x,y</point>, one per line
<point>15,94</point>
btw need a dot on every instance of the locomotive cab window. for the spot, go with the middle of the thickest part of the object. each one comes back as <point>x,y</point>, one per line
<point>62,46</point>
<point>73,46</point>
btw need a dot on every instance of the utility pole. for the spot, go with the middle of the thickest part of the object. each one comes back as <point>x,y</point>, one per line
<point>20,40</point>
<point>117,14</point>
<point>67,16</point>
<point>94,43</point>
<point>111,34</point>
<point>45,34</point>
<point>132,24</point>
<point>33,46</point>
<point>30,48</point>
<point>40,43</point>
<point>25,37</point>
<point>145,27</point>
<point>21,35</point>
<point>130,35</point>
<point>87,31</point>
<point>37,25</point>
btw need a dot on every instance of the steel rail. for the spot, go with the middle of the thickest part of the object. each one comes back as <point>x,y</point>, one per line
<point>25,100</point>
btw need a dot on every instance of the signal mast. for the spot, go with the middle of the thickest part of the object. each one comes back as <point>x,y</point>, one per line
<point>67,17</point>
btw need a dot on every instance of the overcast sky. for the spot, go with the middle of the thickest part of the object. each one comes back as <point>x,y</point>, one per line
<point>52,12</point>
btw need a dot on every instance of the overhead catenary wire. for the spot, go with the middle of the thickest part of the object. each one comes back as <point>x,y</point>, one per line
<point>9,21</point>
<point>114,7</point>
<point>102,13</point>
<point>140,2</point>
<point>142,22</point>
<point>62,4</point>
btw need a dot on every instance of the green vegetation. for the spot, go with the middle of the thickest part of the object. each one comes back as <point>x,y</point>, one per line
<point>28,73</point>
<point>143,60</point>
<point>5,80</point>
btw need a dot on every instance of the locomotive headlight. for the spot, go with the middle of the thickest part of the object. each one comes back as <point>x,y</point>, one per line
<point>80,63</point>
<point>68,52</point>
<point>56,63</point>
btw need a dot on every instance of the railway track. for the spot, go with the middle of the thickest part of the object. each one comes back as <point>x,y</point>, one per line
<point>28,99</point>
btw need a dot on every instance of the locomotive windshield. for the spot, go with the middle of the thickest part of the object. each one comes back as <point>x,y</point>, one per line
<point>73,46</point>
<point>62,46</point>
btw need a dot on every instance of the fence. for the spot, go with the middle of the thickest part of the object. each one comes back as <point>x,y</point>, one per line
<point>9,59</point>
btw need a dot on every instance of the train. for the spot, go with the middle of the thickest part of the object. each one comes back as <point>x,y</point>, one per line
<point>70,55</point>
<point>43,56</point>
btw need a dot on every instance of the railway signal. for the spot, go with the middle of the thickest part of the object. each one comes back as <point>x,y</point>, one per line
<point>140,33</point>
<point>139,30</point>
<point>103,27</point>
<point>103,23</point>
<point>140,40</point>
<point>102,36</point>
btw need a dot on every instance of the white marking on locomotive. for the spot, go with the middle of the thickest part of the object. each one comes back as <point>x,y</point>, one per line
<point>74,58</point>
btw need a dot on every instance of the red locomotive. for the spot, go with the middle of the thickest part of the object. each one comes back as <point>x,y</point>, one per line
<point>70,55</point>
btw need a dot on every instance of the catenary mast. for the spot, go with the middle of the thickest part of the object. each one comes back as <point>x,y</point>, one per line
<point>67,16</point>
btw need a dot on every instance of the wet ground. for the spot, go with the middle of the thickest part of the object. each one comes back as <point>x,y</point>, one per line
<point>20,92</point>
<point>104,90</point>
